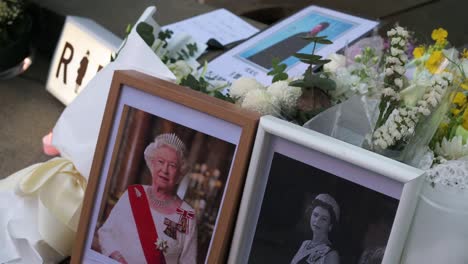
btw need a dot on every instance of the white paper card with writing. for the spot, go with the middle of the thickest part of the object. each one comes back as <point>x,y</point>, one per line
<point>253,58</point>
<point>84,48</point>
<point>219,24</point>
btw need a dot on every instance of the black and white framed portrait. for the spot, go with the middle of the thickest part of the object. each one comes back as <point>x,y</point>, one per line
<point>313,199</point>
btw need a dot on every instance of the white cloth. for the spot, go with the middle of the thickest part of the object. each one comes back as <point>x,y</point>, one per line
<point>119,232</point>
<point>39,212</point>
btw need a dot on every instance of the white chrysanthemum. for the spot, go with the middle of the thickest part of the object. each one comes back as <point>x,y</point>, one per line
<point>337,61</point>
<point>242,86</point>
<point>261,101</point>
<point>452,149</point>
<point>285,95</point>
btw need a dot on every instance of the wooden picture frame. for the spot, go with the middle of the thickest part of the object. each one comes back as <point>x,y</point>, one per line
<point>141,107</point>
<point>291,168</point>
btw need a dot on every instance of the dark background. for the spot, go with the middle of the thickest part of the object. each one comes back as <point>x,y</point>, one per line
<point>365,220</point>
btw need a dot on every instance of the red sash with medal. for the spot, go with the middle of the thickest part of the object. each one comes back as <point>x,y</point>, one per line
<point>145,225</point>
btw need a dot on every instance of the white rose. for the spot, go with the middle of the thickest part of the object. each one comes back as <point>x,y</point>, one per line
<point>337,61</point>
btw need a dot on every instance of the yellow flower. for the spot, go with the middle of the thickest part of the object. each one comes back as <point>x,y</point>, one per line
<point>459,99</point>
<point>455,111</point>
<point>464,54</point>
<point>434,62</point>
<point>439,35</point>
<point>419,52</point>
<point>465,119</point>
<point>464,85</point>
<point>443,126</point>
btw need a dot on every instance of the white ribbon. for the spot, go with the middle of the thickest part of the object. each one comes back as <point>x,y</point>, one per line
<point>46,202</point>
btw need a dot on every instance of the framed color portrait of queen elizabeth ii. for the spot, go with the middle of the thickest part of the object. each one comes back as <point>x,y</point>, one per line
<point>310,198</point>
<point>166,177</point>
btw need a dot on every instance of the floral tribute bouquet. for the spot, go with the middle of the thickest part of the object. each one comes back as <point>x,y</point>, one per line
<point>413,88</point>
<point>296,99</point>
<point>180,53</point>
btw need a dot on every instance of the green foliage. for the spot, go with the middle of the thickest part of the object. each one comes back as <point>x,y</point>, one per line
<point>165,35</point>
<point>312,79</point>
<point>192,48</point>
<point>278,71</point>
<point>202,85</point>
<point>221,96</point>
<point>197,85</point>
<point>187,52</point>
<point>128,29</point>
<point>318,39</point>
<point>311,59</point>
<point>145,31</point>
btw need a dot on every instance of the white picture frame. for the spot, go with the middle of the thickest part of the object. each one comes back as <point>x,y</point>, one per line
<point>376,172</point>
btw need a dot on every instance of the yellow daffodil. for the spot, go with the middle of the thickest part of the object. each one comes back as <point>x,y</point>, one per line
<point>455,111</point>
<point>434,62</point>
<point>465,119</point>
<point>443,126</point>
<point>439,35</point>
<point>459,99</point>
<point>464,85</point>
<point>419,52</point>
<point>464,54</point>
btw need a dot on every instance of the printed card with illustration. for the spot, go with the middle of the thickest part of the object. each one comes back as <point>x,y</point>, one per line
<point>254,57</point>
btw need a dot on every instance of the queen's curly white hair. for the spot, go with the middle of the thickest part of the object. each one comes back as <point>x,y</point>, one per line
<point>172,141</point>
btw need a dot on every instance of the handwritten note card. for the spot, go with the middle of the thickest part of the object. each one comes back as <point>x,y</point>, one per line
<point>220,24</point>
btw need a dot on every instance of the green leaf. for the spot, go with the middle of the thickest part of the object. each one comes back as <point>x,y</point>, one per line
<point>324,84</point>
<point>192,48</point>
<point>145,31</point>
<point>191,82</point>
<point>324,41</point>
<point>278,70</point>
<point>280,77</point>
<point>221,96</point>
<point>313,80</point>
<point>128,29</point>
<point>307,56</point>
<point>298,83</point>
<point>163,35</point>
<point>317,39</point>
